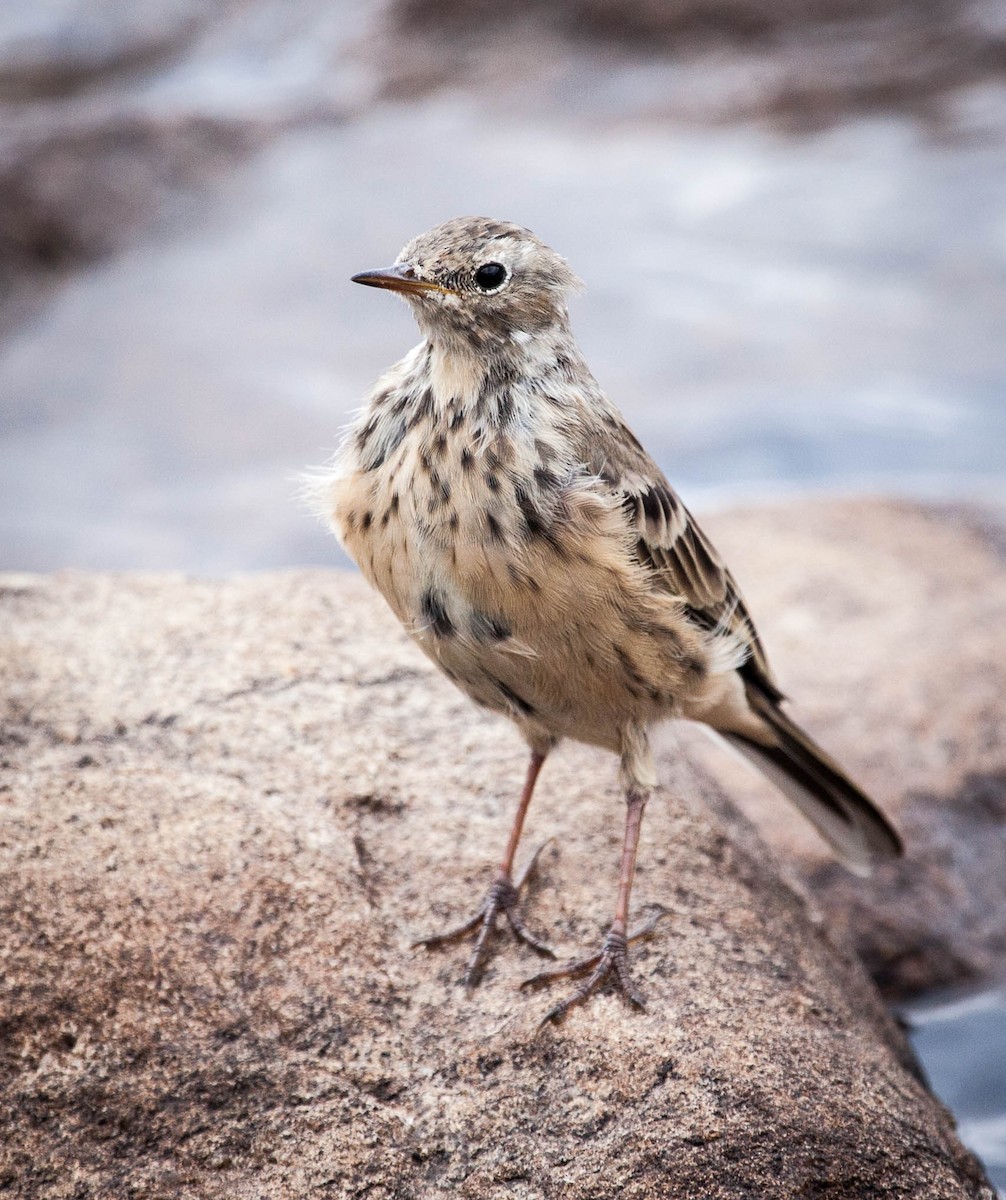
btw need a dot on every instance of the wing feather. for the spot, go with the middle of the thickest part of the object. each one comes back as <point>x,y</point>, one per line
<point>672,545</point>
<point>684,564</point>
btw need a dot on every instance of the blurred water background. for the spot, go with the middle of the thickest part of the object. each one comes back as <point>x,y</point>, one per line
<point>791,220</point>
<point>961,1042</point>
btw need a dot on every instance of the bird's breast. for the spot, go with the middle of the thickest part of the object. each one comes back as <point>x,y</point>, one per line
<point>462,513</point>
<point>513,569</point>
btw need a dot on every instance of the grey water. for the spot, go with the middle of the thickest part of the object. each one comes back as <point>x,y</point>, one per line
<point>962,1045</point>
<point>773,316</point>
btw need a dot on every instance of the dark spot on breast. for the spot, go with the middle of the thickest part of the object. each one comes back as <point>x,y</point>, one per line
<point>457,420</point>
<point>512,698</point>
<point>535,524</point>
<point>545,478</point>
<point>393,507</point>
<point>635,684</point>
<point>521,578</point>
<point>365,433</point>
<point>366,520</point>
<point>467,459</point>
<point>492,481</point>
<point>623,657</point>
<point>435,613</point>
<point>494,528</point>
<point>644,625</point>
<point>374,447</point>
<point>488,629</point>
<point>453,521</point>
<point>504,407</point>
<point>533,520</point>
<point>439,444</point>
<point>425,462</point>
<point>500,375</point>
<point>441,491</point>
<point>499,454</point>
<point>424,406</point>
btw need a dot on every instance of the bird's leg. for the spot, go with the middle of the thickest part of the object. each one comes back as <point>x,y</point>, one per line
<point>503,895</point>
<point>612,960</point>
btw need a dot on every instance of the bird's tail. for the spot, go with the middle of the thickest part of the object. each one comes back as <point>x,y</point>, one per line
<point>846,817</point>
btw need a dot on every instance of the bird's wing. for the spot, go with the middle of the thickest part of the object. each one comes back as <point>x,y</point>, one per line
<point>671,544</point>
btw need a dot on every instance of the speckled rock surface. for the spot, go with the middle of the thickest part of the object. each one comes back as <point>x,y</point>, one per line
<point>226,808</point>
<point>887,626</point>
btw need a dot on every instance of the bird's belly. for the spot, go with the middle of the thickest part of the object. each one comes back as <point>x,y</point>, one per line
<point>558,627</point>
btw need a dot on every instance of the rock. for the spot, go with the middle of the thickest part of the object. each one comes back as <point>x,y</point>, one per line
<point>227,808</point>
<point>887,626</point>
<point>803,66</point>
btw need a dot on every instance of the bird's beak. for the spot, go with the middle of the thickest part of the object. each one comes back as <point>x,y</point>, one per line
<point>400,278</point>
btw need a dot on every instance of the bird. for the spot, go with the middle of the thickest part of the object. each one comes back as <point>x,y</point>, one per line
<point>496,498</point>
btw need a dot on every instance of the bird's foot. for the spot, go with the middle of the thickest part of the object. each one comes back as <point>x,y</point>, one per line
<point>503,898</point>
<point>610,962</point>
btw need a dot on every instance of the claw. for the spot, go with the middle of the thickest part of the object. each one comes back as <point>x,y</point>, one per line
<point>531,864</point>
<point>657,914</point>
<point>503,898</point>
<point>432,940</point>
<point>611,960</point>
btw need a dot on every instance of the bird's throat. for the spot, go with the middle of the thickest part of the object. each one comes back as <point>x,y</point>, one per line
<point>456,374</point>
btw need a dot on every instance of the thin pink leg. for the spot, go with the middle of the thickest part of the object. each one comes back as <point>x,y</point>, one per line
<point>612,959</point>
<point>504,894</point>
<point>533,770</point>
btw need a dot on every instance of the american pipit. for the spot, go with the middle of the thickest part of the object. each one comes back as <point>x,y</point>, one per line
<point>495,497</point>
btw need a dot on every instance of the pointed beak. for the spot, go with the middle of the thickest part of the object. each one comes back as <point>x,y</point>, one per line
<point>400,278</point>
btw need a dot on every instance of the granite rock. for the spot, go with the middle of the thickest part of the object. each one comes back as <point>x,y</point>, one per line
<point>887,625</point>
<point>226,808</point>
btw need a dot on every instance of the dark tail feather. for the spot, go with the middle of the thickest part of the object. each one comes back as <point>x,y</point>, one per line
<point>854,826</point>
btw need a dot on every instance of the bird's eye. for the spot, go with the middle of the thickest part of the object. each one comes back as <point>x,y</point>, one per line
<point>490,277</point>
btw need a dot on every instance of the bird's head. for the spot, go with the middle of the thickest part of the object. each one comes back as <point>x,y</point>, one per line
<point>479,280</point>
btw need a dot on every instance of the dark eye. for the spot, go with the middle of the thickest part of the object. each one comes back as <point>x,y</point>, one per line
<point>490,276</point>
